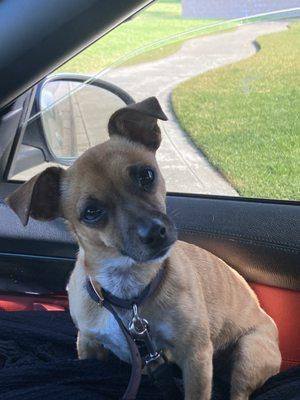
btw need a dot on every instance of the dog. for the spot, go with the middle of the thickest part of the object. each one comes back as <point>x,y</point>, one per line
<point>113,199</point>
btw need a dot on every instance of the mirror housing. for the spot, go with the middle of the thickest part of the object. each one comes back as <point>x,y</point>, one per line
<point>66,99</point>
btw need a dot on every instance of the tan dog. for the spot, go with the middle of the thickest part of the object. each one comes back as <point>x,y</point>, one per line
<point>113,198</point>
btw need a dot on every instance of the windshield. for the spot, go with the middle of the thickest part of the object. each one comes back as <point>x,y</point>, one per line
<point>227,77</point>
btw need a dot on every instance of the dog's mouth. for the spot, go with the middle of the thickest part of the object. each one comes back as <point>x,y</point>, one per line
<point>161,253</point>
<point>153,257</point>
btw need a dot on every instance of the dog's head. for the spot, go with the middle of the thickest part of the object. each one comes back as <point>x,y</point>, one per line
<point>113,196</point>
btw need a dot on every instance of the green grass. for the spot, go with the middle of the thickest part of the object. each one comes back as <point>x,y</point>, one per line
<point>155,54</point>
<point>157,22</point>
<point>169,48</point>
<point>245,117</point>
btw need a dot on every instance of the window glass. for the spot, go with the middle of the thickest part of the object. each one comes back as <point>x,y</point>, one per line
<point>227,76</point>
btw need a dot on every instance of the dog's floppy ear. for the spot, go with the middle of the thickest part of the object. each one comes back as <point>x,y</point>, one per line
<point>138,122</point>
<point>39,197</point>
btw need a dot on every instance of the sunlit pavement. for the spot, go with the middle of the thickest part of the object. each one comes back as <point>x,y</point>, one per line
<point>183,165</point>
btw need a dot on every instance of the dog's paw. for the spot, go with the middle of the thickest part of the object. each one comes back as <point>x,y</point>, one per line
<point>90,349</point>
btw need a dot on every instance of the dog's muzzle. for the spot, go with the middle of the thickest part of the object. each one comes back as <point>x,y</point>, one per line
<point>150,238</point>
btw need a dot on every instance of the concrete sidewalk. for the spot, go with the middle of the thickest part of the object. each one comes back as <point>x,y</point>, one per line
<point>185,168</point>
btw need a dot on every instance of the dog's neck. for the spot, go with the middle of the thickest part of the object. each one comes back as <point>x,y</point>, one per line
<point>120,276</point>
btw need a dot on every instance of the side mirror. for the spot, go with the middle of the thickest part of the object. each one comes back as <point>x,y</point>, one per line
<point>71,114</point>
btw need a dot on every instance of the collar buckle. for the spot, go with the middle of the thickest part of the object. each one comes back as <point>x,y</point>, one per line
<point>139,331</point>
<point>138,327</point>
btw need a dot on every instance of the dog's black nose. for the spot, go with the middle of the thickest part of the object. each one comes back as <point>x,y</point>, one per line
<point>152,232</point>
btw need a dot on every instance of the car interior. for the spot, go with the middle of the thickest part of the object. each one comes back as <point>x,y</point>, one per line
<point>257,237</point>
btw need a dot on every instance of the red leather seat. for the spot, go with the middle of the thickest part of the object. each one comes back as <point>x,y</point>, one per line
<point>283,306</point>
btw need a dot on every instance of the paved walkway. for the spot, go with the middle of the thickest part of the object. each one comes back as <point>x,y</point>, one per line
<point>184,166</point>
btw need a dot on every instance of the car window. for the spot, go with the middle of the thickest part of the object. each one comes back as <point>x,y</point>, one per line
<point>228,77</point>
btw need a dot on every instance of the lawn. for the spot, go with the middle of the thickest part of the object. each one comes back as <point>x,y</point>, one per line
<point>158,22</point>
<point>245,117</point>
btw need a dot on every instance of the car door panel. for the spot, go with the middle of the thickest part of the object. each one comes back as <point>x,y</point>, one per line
<point>259,239</point>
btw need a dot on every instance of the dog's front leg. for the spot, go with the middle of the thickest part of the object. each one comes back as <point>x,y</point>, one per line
<point>90,348</point>
<point>197,372</point>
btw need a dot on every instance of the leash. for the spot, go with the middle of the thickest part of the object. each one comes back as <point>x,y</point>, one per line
<point>138,332</point>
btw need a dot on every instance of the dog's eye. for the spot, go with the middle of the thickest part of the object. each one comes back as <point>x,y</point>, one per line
<point>93,214</point>
<point>146,178</point>
<point>143,176</point>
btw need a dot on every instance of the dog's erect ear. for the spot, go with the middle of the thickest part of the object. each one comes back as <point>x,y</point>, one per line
<point>138,122</point>
<point>39,197</point>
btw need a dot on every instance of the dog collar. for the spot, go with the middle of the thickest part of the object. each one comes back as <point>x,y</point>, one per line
<point>99,295</point>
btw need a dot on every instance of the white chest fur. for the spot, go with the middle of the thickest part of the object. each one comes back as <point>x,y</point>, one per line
<point>98,323</point>
<point>106,330</point>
